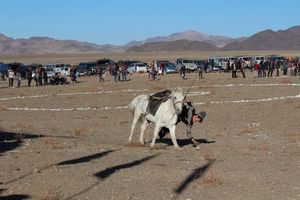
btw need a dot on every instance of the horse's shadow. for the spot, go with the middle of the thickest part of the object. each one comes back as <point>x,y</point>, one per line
<point>183,142</point>
<point>10,140</point>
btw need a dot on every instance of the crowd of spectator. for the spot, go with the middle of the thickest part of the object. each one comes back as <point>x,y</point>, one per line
<point>263,68</point>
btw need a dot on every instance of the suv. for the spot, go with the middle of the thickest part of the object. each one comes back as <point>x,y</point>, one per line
<point>189,64</point>
<point>86,68</point>
<point>137,68</point>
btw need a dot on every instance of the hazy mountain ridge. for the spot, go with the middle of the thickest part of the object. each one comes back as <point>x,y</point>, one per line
<point>269,40</point>
<point>190,35</point>
<point>42,45</point>
<point>177,45</point>
<point>288,39</point>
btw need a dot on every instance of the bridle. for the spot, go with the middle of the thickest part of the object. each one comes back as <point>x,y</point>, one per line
<point>182,102</point>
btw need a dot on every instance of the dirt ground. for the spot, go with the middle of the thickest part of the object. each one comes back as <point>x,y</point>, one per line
<point>70,141</point>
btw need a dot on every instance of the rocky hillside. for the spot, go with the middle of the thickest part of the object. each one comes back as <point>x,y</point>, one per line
<point>177,45</point>
<point>269,40</point>
<point>42,45</point>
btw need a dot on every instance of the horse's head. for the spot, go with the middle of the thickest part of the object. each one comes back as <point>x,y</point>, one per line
<point>178,98</point>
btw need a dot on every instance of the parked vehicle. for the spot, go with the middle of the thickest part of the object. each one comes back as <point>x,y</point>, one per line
<point>258,59</point>
<point>188,63</point>
<point>107,64</point>
<point>126,63</point>
<point>86,68</point>
<point>63,69</point>
<point>15,67</point>
<point>170,68</point>
<point>137,68</point>
<point>50,72</point>
<point>248,60</point>
<point>3,70</point>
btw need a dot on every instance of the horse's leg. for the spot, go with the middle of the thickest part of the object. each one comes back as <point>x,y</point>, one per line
<point>143,127</point>
<point>135,119</point>
<point>173,137</point>
<point>155,134</point>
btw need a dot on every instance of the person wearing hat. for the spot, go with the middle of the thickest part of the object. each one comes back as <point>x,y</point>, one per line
<point>188,116</point>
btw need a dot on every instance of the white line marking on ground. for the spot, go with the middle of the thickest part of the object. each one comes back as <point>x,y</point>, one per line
<point>144,90</point>
<point>126,107</point>
<point>71,94</point>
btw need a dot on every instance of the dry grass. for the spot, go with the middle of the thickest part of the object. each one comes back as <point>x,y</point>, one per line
<point>51,194</point>
<point>210,179</point>
<point>256,147</point>
<point>123,122</point>
<point>286,80</point>
<point>248,130</point>
<point>79,131</point>
<point>208,156</point>
<point>52,143</point>
<point>134,144</point>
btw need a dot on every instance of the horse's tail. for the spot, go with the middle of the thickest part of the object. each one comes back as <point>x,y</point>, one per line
<point>136,100</point>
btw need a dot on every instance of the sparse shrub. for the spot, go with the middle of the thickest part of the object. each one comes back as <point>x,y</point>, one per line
<point>210,179</point>
<point>51,194</point>
<point>79,131</point>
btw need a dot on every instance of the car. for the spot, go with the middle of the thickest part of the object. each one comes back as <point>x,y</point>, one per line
<point>4,70</point>
<point>188,63</point>
<point>126,63</point>
<point>106,65</point>
<point>50,72</point>
<point>63,69</point>
<point>170,68</point>
<point>137,68</point>
<point>86,68</point>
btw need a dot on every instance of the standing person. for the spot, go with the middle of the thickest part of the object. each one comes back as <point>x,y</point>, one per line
<point>11,75</point>
<point>37,76</point>
<point>205,66</point>
<point>233,69</point>
<point>243,66</point>
<point>100,71</point>
<point>264,67</point>
<point>124,73</point>
<point>114,71</point>
<point>42,72</point>
<point>18,78</point>
<point>277,66</point>
<point>200,72</point>
<point>152,73</point>
<point>228,66</point>
<point>257,69</point>
<point>182,71</point>
<point>29,76</point>
<point>271,68</point>
<point>285,66</point>
<point>45,77</point>
<point>74,74</point>
<point>188,116</point>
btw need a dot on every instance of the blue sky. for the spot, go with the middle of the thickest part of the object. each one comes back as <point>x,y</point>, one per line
<point>120,21</point>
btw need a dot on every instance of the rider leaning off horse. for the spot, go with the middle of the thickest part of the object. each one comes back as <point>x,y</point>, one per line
<point>188,116</point>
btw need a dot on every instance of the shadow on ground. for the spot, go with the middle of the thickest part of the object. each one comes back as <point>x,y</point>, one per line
<point>183,142</point>
<point>196,174</point>
<point>10,140</point>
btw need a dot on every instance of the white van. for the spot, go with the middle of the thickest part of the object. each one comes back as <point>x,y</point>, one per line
<point>188,63</point>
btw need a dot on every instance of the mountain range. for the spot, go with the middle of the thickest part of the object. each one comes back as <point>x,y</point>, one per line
<point>288,39</point>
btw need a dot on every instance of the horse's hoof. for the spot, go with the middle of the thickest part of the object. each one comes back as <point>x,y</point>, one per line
<point>178,148</point>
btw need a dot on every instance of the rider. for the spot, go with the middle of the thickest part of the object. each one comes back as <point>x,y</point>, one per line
<point>187,116</point>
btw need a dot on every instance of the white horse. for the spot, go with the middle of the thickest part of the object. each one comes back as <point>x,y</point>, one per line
<point>166,116</point>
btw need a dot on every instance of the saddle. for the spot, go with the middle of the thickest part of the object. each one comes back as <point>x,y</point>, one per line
<point>156,99</point>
